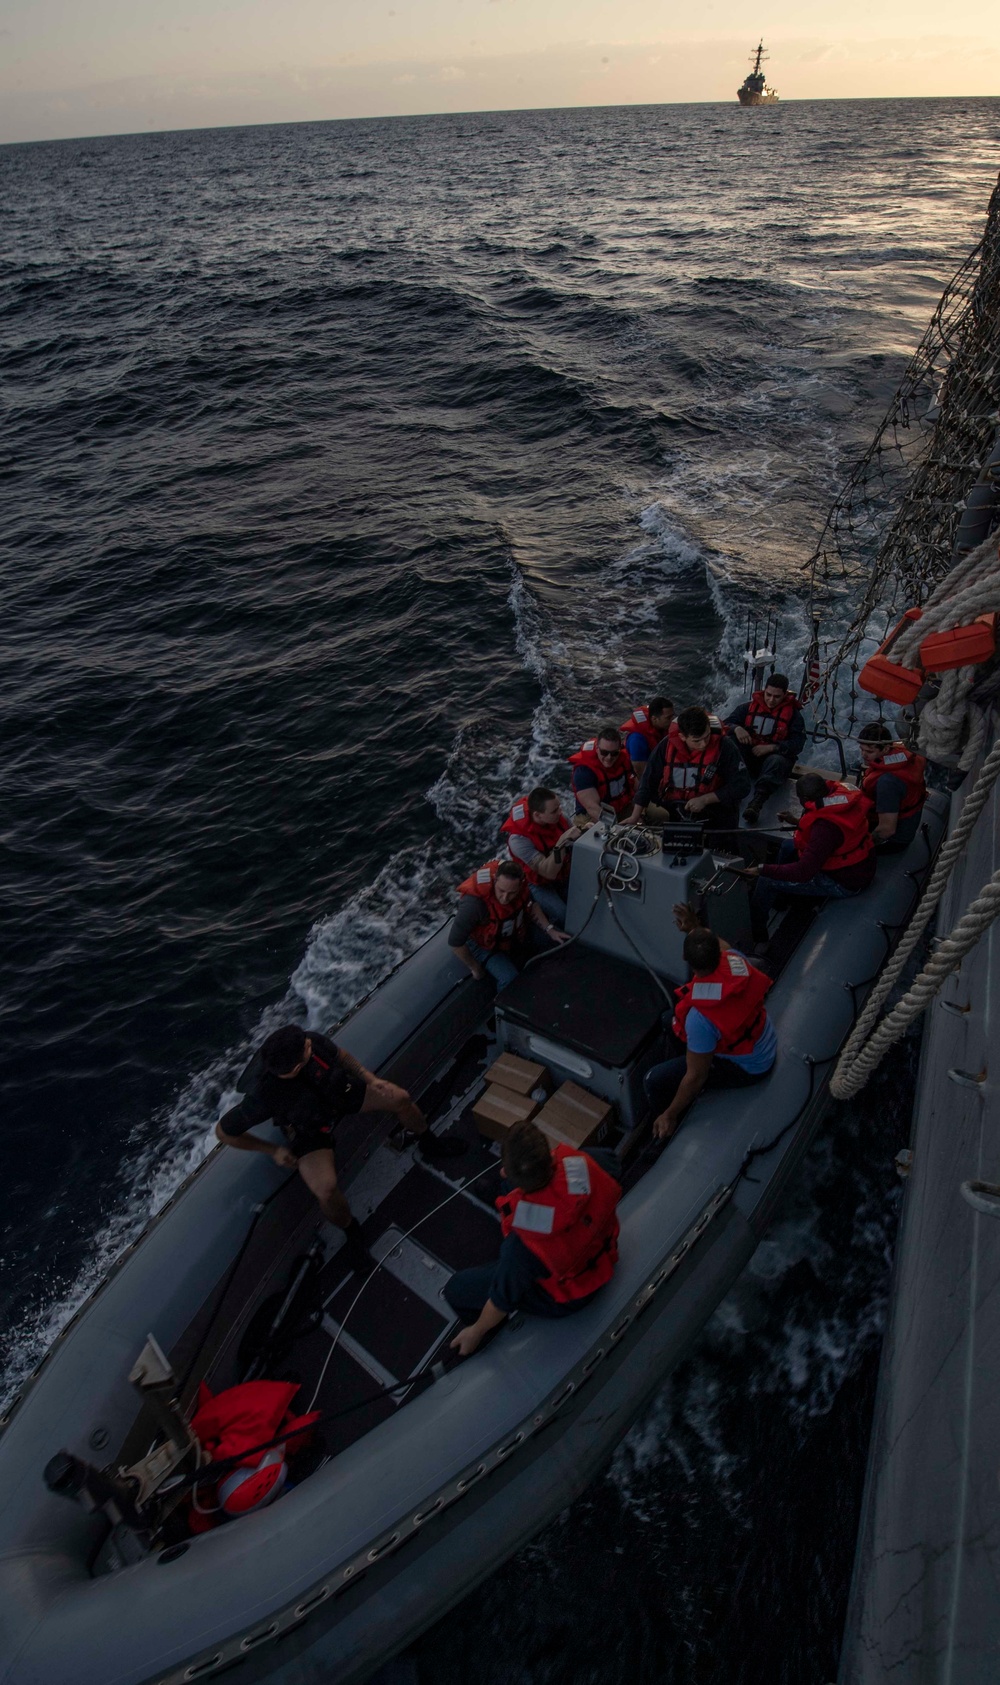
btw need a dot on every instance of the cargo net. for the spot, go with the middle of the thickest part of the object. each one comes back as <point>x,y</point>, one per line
<point>913,505</point>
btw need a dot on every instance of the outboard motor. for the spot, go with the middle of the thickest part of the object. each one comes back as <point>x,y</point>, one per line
<point>125,1495</point>
<point>71,1477</point>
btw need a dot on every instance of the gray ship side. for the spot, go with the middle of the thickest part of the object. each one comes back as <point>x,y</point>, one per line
<point>924,1602</point>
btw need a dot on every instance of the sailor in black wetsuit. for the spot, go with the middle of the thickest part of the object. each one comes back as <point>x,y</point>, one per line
<point>306,1084</point>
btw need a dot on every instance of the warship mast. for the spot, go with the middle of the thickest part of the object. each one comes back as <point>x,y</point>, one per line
<point>754,91</point>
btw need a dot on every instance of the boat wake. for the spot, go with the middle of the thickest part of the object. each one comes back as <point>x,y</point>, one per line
<point>594,641</point>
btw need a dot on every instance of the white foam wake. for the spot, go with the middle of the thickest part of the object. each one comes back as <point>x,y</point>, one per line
<point>349,951</point>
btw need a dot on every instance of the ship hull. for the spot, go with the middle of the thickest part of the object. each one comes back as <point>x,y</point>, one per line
<point>757,99</point>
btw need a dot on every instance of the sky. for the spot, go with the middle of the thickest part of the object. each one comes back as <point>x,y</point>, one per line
<point>93,67</point>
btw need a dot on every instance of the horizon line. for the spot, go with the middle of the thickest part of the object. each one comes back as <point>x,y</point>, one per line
<point>500,111</point>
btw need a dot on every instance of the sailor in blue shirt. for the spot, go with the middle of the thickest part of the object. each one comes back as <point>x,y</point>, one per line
<point>729,1037</point>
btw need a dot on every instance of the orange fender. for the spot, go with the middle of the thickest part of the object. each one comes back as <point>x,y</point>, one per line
<point>961,646</point>
<point>889,679</point>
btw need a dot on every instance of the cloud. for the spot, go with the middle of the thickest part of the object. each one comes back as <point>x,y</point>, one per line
<point>406,77</point>
<point>451,73</point>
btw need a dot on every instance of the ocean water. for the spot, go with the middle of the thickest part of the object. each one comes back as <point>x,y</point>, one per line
<point>352,473</point>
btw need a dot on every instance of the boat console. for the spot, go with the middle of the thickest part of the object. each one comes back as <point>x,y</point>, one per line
<point>597,1011</point>
<point>621,903</point>
<point>590,1018</point>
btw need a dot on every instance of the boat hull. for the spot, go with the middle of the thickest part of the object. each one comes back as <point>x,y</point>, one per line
<point>379,1543</point>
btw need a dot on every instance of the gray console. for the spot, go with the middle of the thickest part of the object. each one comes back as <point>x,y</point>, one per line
<point>634,920</point>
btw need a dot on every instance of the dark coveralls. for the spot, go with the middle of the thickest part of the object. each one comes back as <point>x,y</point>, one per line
<point>769,772</point>
<point>733,785</point>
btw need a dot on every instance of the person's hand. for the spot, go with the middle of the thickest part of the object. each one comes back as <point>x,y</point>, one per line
<point>741,734</point>
<point>556,935</point>
<point>750,872</point>
<point>787,818</point>
<point>685,917</point>
<point>627,819</point>
<point>665,1125</point>
<point>762,749</point>
<point>284,1158</point>
<point>466,1341</point>
<point>697,804</point>
<point>572,835</point>
<point>478,971</point>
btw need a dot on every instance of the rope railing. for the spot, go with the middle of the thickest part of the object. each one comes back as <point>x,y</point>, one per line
<point>869,1040</point>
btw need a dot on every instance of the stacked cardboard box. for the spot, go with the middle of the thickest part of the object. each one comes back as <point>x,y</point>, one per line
<point>574,1117</point>
<point>508,1098</point>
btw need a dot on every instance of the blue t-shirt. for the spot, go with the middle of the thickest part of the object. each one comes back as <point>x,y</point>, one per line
<point>889,793</point>
<point>703,1037</point>
<point>637,747</point>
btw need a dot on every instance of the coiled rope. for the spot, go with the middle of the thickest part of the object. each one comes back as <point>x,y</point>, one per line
<point>971,588</point>
<point>863,1051</point>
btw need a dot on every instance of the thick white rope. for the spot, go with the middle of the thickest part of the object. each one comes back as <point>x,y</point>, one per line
<point>972,587</point>
<point>947,957</point>
<point>943,717</point>
<point>862,1053</point>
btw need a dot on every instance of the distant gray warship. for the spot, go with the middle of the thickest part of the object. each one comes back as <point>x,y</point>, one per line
<point>755,90</point>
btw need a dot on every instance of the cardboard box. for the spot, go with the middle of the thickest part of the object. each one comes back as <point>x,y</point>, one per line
<point>520,1076</point>
<point>498,1109</point>
<point>576,1118</point>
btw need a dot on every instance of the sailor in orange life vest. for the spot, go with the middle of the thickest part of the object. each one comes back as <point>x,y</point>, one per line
<point>771,734</point>
<point>893,778</point>
<point>308,1084</point>
<point>644,729</point>
<point>540,837</point>
<point>602,774</point>
<point>695,773</point>
<point>831,855</point>
<point>494,927</point>
<point>560,1228</point>
<point>720,1018</point>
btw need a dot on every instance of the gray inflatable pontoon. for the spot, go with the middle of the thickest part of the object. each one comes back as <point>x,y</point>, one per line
<point>420,1493</point>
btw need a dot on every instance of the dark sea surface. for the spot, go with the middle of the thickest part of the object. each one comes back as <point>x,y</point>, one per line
<point>351,473</point>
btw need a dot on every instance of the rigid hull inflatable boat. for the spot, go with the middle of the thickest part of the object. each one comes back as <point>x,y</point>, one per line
<point>424,1490</point>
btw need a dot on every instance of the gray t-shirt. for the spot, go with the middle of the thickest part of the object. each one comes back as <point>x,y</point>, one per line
<point>471,912</point>
<point>523,849</point>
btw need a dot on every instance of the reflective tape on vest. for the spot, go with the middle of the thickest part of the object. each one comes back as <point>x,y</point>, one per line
<point>536,1219</point>
<point>484,875</point>
<point>577,1175</point>
<point>248,1489</point>
<point>706,991</point>
<point>835,801</point>
<point>895,760</point>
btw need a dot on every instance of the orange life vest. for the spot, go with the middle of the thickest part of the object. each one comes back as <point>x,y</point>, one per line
<point>571,1225</point>
<point>770,725</point>
<point>850,811</point>
<point>616,784</point>
<point>908,768</point>
<point>231,1423</point>
<point>502,928</point>
<point>519,823</point>
<point>688,772</point>
<point>640,725</point>
<point>731,998</point>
